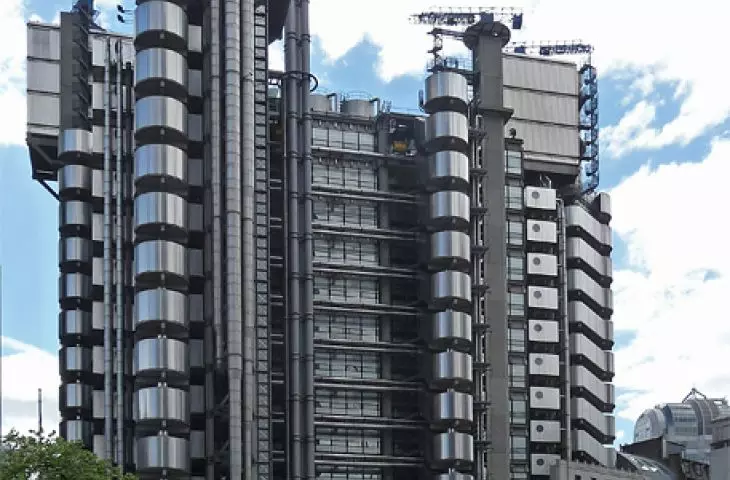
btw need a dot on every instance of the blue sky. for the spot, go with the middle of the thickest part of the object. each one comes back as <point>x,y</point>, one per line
<point>664,119</point>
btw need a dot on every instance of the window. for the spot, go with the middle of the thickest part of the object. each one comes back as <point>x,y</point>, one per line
<point>518,411</point>
<point>343,251</point>
<point>518,375</point>
<point>350,440</point>
<point>515,234</point>
<point>518,447</point>
<point>516,338</point>
<point>513,197</point>
<point>356,214</point>
<point>515,267</point>
<point>358,291</point>
<point>516,306</point>
<point>514,162</point>
<point>346,364</point>
<point>347,402</point>
<point>353,327</point>
<point>353,175</point>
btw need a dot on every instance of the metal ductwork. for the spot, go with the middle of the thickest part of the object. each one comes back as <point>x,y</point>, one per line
<point>161,358</point>
<point>447,144</point>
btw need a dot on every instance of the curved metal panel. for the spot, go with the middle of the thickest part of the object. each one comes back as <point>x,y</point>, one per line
<point>453,448</point>
<point>76,395</point>
<point>74,249</point>
<point>453,408</point>
<point>163,452</point>
<point>584,410</point>
<point>77,431</point>
<point>452,367</point>
<point>97,183</point>
<point>160,305</point>
<point>74,285</point>
<point>74,140</point>
<point>450,207</point>
<point>161,403</point>
<point>74,177</point>
<point>446,91</point>
<point>162,353</point>
<point>75,322</point>
<point>76,359</point>
<point>160,64</point>
<point>581,281</point>
<point>158,160</point>
<point>160,256</point>
<point>577,216</point>
<point>449,167</point>
<point>161,112</point>
<point>160,208</point>
<point>157,15</point>
<point>584,378</point>
<point>449,247</point>
<point>601,359</point>
<point>446,130</point>
<point>579,312</point>
<point>358,108</point>
<point>580,251</point>
<point>451,286</point>
<point>74,213</point>
<point>451,327</point>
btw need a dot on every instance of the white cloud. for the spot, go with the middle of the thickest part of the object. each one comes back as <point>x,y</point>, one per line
<point>672,293</point>
<point>25,369</point>
<point>644,36</point>
<point>12,73</point>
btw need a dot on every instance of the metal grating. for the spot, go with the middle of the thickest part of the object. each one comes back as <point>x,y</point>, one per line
<point>262,457</point>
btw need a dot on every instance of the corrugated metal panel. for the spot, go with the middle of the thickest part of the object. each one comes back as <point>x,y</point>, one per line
<point>542,107</point>
<point>44,76</point>
<point>44,42</point>
<point>546,139</point>
<point>43,110</point>
<point>540,74</point>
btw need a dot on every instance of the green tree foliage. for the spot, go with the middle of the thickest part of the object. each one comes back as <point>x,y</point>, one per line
<point>41,457</point>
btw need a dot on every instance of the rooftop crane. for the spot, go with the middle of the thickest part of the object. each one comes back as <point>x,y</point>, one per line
<point>588,91</point>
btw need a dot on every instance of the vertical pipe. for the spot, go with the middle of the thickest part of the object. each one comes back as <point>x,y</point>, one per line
<point>108,420</point>
<point>248,167</point>
<point>293,298</point>
<point>307,247</point>
<point>214,332</point>
<point>119,271</point>
<point>566,332</point>
<point>215,165</point>
<point>232,51</point>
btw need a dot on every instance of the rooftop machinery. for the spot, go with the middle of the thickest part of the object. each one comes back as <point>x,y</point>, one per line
<point>588,96</point>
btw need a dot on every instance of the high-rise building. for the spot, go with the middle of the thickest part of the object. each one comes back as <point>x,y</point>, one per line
<point>258,281</point>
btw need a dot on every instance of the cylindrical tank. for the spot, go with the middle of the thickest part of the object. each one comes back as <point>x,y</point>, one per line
<point>161,358</point>
<point>447,139</point>
<point>321,103</point>
<point>358,108</point>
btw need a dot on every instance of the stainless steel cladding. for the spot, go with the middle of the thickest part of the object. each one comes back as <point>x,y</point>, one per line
<point>541,463</point>
<point>545,431</point>
<point>161,358</point>
<point>446,91</point>
<point>450,263</point>
<point>589,278</point>
<point>358,108</point>
<point>541,231</point>
<point>447,131</point>
<point>448,167</point>
<point>540,198</point>
<point>321,103</point>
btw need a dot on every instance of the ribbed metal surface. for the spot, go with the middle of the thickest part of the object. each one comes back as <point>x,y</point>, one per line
<point>161,357</point>
<point>447,137</point>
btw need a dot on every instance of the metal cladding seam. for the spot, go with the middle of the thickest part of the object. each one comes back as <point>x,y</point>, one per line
<point>248,165</point>
<point>161,359</point>
<point>450,263</point>
<point>119,280</point>
<point>75,190</point>
<point>108,233</point>
<point>294,386</point>
<point>234,291</point>
<point>307,246</point>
